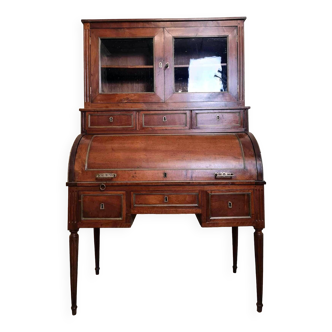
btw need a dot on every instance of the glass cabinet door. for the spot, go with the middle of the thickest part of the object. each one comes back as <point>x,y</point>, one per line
<point>125,65</point>
<point>201,64</point>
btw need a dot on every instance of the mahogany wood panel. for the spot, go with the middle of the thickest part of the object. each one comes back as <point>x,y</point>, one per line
<point>126,156</point>
<point>151,121</point>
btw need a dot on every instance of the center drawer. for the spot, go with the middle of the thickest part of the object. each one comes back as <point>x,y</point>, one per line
<point>165,202</point>
<point>151,120</point>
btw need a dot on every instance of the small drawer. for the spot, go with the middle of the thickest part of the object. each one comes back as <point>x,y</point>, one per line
<point>164,120</point>
<point>229,205</point>
<point>165,199</point>
<point>102,207</point>
<point>217,120</point>
<point>112,120</point>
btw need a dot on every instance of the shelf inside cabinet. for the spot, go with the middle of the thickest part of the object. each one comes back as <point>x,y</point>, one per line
<point>127,67</point>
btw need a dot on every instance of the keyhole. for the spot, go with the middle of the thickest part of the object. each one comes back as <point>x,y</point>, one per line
<point>230,205</point>
<point>111,118</point>
<point>165,175</point>
<point>164,118</point>
<point>102,206</point>
<point>218,117</point>
<point>166,199</point>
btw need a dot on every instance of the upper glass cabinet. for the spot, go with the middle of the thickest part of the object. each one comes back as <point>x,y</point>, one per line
<point>193,64</point>
<point>202,64</point>
<point>125,65</point>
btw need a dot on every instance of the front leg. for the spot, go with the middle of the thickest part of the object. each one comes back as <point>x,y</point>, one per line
<point>96,232</point>
<point>235,232</point>
<point>73,248</point>
<point>258,238</point>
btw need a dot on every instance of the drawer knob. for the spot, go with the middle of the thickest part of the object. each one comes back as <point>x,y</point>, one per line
<point>102,206</point>
<point>230,205</point>
<point>166,199</point>
<point>164,118</point>
<point>111,118</point>
<point>102,187</point>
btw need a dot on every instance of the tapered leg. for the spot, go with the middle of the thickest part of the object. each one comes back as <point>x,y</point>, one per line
<point>258,237</point>
<point>235,232</point>
<point>96,232</point>
<point>73,248</point>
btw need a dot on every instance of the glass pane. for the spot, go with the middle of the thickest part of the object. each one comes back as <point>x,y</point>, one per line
<point>200,64</point>
<point>126,65</point>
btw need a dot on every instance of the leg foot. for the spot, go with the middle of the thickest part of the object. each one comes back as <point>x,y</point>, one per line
<point>73,310</point>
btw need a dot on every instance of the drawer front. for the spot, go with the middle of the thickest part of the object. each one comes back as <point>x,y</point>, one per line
<point>165,199</point>
<point>217,120</point>
<point>229,205</point>
<point>102,206</point>
<point>164,120</point>
<point>112,120</point>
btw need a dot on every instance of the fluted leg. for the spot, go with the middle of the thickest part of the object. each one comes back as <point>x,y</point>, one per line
<point>258,237</point>
<point>235,232</point>
<point>73,248</point>
<point>96,232</point>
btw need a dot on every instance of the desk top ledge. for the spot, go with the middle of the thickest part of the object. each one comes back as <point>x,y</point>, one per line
<point>243,18</point>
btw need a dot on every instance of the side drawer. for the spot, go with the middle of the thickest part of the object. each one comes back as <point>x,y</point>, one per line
<point>230,205</point>
<point>102,206</point>
<point>151,120</point>
<point>109,121</point>
<point>217,119</point>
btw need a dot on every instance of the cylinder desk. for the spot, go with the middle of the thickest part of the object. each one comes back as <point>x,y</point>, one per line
<point>164,130</point>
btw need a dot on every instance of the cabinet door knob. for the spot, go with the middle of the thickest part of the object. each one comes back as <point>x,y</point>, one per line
<point>166,65</point>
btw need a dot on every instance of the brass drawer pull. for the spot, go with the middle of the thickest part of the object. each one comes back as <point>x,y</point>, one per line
<point>166,199</point>
<point>164,119</point>
<point>110,118</point>
<point>222,175</point>
<point>230,205</point>
<point>106,175</point>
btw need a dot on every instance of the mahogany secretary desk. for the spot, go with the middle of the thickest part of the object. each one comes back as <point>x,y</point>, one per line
<point>165,130</point>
